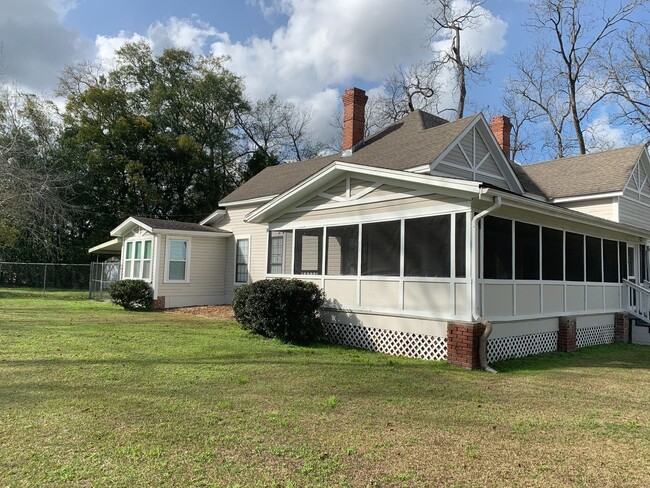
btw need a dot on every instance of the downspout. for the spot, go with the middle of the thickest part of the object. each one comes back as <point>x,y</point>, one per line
<point>476,313</point>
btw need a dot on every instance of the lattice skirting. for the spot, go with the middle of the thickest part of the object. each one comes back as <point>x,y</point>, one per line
<point>593,336</point>
<point>520,346</point>
<point>388,341</point>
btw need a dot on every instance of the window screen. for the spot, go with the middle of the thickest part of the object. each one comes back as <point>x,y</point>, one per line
<point>574,257</point>
<point>594,259</point>
<point>461,231</point>
<point>177,259</point>
<point>622,259</point>
<point>497,248</point>
<point>552,254</point>
<point>342,253</point>
<point>309,251</point>
<point>610,261</point>
<point>526,251</point>
<point>380,254</point>
<point>427,246</point>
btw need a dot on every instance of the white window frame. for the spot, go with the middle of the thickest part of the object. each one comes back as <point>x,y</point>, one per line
<point>141,260</point>
<point>248,265</point>
<point>168,242</point>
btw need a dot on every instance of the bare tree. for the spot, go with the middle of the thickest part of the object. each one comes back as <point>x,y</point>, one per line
<point>279,128</point>
<point>32,188</point>
<point>448,21</point>
<point>409,88</point>
<point>571,32</point>
<point>521,113</point>
<point>627,64</point>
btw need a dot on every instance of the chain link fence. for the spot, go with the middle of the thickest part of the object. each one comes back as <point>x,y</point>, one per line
<point>101,277</point>
<point>45,276</point>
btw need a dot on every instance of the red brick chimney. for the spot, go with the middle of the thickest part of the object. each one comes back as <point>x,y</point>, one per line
<point>501,128</point>
<point>354,116</point>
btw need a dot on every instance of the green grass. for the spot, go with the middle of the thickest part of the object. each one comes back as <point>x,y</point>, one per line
<point>91,395</point>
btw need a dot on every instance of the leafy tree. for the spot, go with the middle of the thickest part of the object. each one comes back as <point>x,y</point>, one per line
<point>156,136</point>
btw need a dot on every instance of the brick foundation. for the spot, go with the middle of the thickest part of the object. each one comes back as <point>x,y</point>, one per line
<point>621,327</point>
<point>159,303</point>
<point>566,335</point>
<point>463,343</point>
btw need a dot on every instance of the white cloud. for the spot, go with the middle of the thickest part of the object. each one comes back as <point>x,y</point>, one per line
<point>323,46</point>
<point>35,45</point>
<point>600,135</point>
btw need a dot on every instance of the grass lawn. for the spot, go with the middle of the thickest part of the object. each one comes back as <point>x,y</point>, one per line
<point>91,395</point>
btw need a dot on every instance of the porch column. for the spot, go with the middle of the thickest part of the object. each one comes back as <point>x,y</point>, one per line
<point>463,343</point>
<point>621,327</point>
<point>566,337</point>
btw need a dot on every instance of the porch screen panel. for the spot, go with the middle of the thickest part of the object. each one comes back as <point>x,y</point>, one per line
<point>309,251</point>
<point>461,231</point>
<point>427,246</point>
<point>610,261</point>
<point>622,259</point>
<point>380,249</point>
<point>342,255</point>
<point>526,251</point>
<point>497,249</point>
<point>574,257</point>
<point>594,259</point>
<point>552,254</point>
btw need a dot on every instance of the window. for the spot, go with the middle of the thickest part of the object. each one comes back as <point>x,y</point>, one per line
<point>276,250</point>
<point>643,264</point>
<point>610,261</point>
<point>594,259</point>
<point>574,257</point>
<point>380,249</point>
<point>177,260</point>
<point>342,250</point>
<point>137,261</point>
<point>242,247</point>
<point>526,251</point>
<point>552,254</point>
<point>461,230</point>
<point>309,251</point>
<point>497,248</point>
<point>427,246</point>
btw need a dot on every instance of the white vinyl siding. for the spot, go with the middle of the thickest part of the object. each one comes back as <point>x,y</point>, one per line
<point>206,269</point>
<point>605,208</point>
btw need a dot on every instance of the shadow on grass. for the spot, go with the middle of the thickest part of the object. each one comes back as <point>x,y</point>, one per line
<point>620,356</point>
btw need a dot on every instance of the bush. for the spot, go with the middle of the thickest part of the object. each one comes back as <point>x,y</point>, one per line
<point>132,294</point>
<point>286,309</point>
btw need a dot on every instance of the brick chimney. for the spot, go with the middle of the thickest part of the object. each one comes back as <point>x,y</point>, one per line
<point>354,117</point>
<point>501,128</point>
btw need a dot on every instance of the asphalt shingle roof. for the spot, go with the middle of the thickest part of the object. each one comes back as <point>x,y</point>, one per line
<point>417,139</point>
<point>587,174</point>
<point>175,225</point>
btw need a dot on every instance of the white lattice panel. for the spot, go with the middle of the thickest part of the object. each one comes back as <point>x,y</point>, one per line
<point>520,346</point>
<point>593,336</point>
<point>388,341</point>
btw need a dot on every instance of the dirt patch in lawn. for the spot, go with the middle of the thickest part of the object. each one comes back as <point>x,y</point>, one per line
<point>220,312</point>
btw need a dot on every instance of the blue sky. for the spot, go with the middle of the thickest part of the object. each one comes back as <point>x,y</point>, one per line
<point>307,51</point>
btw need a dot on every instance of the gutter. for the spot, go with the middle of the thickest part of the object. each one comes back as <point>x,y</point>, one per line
<point>477,315</point>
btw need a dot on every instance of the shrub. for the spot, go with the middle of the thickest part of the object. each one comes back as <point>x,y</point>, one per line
<point>286,309</point>
<point>132,294</point>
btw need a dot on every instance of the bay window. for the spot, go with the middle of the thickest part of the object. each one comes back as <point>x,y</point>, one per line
<point>137,259</point>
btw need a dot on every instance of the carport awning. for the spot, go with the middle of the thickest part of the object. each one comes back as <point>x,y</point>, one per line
<point>114,246</point>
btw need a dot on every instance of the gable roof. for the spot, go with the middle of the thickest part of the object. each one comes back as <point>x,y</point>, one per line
<point>157,225</point>
<point>587,174</point>
<point>417,139</point>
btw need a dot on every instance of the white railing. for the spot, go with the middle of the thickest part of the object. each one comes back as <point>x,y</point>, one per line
<point>638,300</point>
